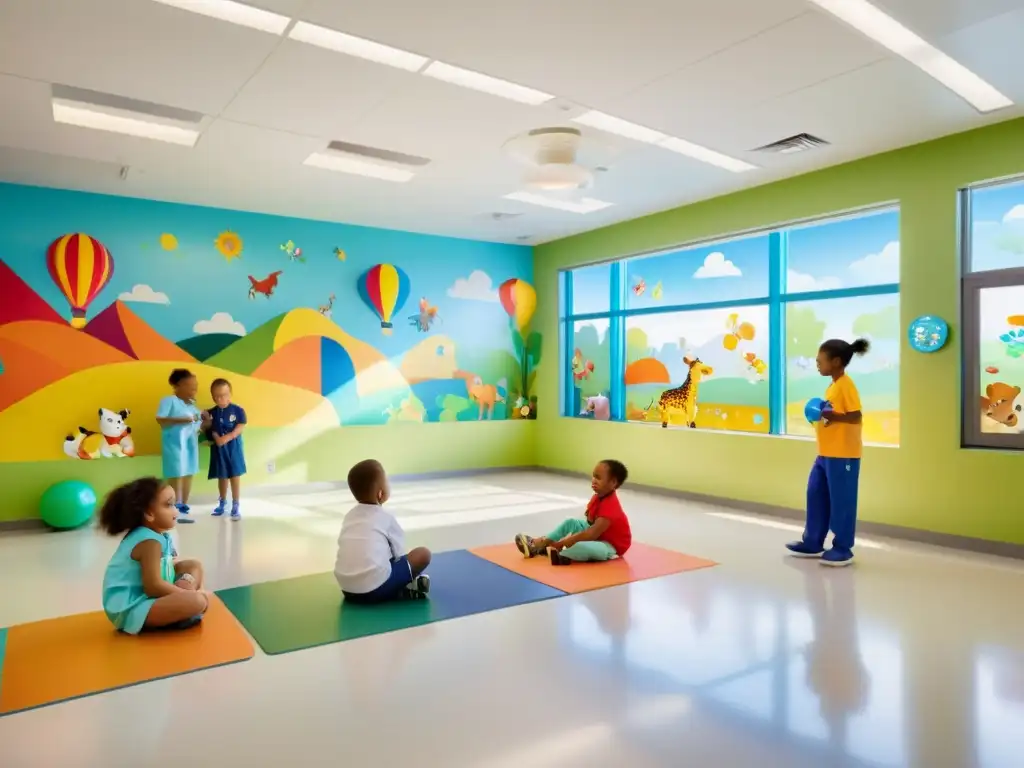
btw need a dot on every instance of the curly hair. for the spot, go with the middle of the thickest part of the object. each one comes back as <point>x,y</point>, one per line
<point>125,507</point>
<point>178,375</point>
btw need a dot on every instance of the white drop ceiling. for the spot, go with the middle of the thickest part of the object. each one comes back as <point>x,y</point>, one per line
<point>730,75</point>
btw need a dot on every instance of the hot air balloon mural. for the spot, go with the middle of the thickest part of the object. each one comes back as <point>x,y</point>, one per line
<point>80,266</point>
<point>384,288</point>
<point>519,300</point>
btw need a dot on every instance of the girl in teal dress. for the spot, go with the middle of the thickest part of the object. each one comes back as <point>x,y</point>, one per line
<point>143,587</point>
<point>181,421</point>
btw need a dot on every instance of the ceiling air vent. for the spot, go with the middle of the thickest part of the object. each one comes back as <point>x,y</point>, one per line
<point>375,153</point>
<point>799,143</point>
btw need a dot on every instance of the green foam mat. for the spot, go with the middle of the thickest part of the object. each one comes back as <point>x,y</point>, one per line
<point>304,612</point>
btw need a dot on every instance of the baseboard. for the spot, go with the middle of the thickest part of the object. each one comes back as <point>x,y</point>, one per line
<point>916,535</point>
<point>30,524</point>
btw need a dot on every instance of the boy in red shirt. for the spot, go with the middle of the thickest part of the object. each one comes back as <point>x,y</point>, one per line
<point>603,535</point>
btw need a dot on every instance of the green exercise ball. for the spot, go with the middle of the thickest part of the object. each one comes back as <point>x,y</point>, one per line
<point>68,504</point>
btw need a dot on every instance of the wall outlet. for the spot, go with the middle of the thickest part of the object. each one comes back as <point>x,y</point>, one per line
<point>271,467</point>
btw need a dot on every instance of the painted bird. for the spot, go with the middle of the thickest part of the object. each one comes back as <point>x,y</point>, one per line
<point>265,286</point>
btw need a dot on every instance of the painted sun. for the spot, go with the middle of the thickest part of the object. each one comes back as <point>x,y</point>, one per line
<point>168,242</point>
<point>229,244</point>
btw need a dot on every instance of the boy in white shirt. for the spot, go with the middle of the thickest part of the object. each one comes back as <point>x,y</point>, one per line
<point>372,566</point>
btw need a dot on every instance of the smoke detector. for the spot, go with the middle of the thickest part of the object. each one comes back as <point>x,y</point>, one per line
<point>551,159</point>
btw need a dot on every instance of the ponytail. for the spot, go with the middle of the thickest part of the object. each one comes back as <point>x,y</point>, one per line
<point>837,348</point>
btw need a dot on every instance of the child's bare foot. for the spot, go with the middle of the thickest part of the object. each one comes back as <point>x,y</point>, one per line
<point>530,547</point>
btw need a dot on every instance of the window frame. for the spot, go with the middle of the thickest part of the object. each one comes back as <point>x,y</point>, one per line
<point>972,283</point>
<point>776,300</point>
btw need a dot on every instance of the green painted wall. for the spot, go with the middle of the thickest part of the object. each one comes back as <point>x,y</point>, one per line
<point>300,455</point>
<point>929,482</point>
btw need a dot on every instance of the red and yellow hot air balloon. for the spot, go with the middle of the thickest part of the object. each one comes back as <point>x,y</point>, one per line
<point>80,266</point>
<point>384,288</point>
<point>519,300</point>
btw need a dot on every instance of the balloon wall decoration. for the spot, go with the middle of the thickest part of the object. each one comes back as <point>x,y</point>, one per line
<point>385,289</point>
<point>519,300</point>
<point>79,266</point>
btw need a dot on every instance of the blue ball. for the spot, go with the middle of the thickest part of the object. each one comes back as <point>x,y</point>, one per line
<point>67,504</point>
<point>813,409</point>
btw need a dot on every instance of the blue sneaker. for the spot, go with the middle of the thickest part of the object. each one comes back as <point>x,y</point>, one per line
<point>221,508</point>
<point>802,549</point>
<point>235,514</point>
<point>837,558</point>
<point>183,518</point>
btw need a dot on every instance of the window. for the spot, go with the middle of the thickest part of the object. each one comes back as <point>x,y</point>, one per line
<point>808,323</point>
<point>741,320</point>
<point>992,245</point>
<point>731,380</point>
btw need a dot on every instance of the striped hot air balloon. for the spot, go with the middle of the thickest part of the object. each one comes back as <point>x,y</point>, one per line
<point>384,288</point>
<point>80,266</point>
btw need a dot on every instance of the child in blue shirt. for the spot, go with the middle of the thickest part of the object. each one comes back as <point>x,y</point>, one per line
<point>180,422</point>
<point>143,587</point>
<point>227,459</point>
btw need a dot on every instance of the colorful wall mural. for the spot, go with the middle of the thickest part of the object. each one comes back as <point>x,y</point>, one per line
<point>104,296</point>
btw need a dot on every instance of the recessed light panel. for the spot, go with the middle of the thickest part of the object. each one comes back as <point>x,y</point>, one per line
<point>234,13</point>
<point>350,45</point>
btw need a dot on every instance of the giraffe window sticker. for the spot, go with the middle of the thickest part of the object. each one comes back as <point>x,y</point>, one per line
<point>683,400</point>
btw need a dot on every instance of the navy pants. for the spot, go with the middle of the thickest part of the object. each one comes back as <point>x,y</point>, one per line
<point>832,502</point>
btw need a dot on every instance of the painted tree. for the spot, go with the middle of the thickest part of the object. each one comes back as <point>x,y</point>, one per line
<point>883,324</point>
<point>804,332</point>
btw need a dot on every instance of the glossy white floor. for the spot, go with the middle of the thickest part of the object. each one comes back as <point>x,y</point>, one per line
<point>914,656</point>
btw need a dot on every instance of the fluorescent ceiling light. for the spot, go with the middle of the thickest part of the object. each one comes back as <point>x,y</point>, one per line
<point>624,128</point>
<point>350,45</point>
<point>84,117</point>
<point>583,205</point>
<point>486,84</point>
<point>234,13</point>
<point>628,130</point>
<point>885,30</point>
<point>344,164</point>
<point>706,155</point>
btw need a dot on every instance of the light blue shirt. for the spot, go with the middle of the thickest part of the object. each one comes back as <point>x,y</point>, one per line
<point>124,600</point>
<point>180,442</point>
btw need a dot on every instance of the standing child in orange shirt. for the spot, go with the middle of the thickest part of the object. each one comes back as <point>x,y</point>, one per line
<point>832,486</point>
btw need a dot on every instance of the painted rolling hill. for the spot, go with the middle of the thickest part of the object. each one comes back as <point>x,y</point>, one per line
<point>207,345</point>
<point>126,332</point>
<point>304,349</point>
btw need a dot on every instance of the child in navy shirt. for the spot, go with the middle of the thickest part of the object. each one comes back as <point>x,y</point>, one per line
<point>227,459</point>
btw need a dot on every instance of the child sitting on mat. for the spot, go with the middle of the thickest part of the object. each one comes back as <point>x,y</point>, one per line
<point>143,587</point>
<point>372,566</point>
<point>603,535</point>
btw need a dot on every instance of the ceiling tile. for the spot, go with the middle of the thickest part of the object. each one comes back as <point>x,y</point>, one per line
<point>577,49</point>
<point>767,66</point>
<point>935,18</point>
<point>132,48</point>
<point>312,91</point>
<point>994,50</point>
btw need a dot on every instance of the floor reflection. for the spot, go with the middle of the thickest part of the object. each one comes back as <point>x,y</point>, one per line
<point>999,707</point>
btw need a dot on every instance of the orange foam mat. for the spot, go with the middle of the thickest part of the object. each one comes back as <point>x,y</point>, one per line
<point>50,661</point>
<point>642,561</point>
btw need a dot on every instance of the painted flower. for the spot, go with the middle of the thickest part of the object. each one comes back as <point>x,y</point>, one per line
<point>229,244</point>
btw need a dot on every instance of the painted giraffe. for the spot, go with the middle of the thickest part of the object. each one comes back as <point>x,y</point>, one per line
<point>684,398</point>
